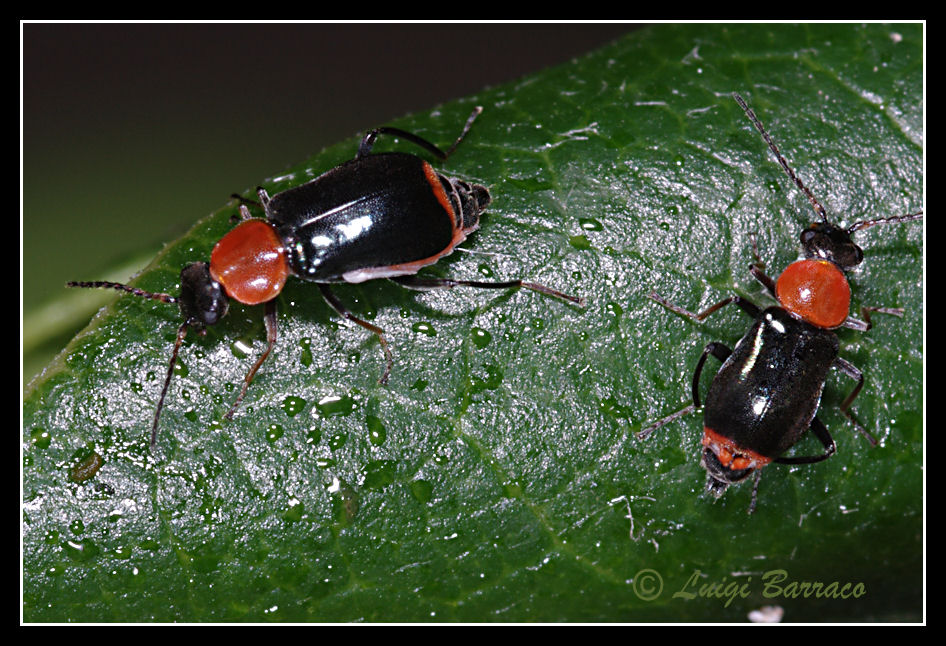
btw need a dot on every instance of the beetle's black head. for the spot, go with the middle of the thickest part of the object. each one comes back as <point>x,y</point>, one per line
<point>719,475</point>
<point>829,242</point>
<point>203,301</point>
<point>474,198</point>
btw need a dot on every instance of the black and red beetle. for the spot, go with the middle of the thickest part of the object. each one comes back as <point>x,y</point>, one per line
<point>767,392</point>
<point>383,215</point>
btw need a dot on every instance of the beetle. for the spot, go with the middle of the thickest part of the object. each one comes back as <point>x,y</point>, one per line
<point>381,215</point>
<point>767,392</point>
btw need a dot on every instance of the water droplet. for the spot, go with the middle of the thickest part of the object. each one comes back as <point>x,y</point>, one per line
<point>295,511</point>
<point>481,338</point>
<point>305,357</point>
<point>484,270</point>
<point>590,224</point>
<point>344,503</point>
<point>492,380</point>
<point>422,490</point>
<point>77,527</point>
<point>610,407</point>
<point>293,405</point>
<point>180,369</point>
<point>337,440</point>
<point>420,385</point>
<point>40,437</point>
<point>424,327</point>
<point>274,432</point>
<point>580,242</point>
<point>241,348</point>
<point>80,550</point>
<point>377,434</point>
<point>313,436</point>
<point>512,489</point>
<point>335,405</point>
<point>379,474</point>
<point>149,544</point>
<point>614,310</point>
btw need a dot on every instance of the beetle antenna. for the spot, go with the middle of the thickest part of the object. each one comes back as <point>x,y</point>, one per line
<point>816,205</point>
<point>157,296</point>
<point>181,333</point>
<point>896,219</point>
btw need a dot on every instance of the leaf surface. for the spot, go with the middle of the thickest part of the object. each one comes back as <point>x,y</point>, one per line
<point>498,477</point>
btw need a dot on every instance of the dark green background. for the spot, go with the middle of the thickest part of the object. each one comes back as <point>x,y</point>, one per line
<point>494,478</point>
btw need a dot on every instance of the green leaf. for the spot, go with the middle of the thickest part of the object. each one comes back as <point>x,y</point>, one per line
<point>498,477</point>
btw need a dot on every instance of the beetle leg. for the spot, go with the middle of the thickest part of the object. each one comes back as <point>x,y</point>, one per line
<point>643,433</point>
<point>269,318</point>
<point>821,432</point>
<point>757,272</point>
<point>246,202</point>
<point>336,305</point>
<point>368,141</point>
<point>423,282</point>
<point>719,351</point>
<point>746,305</point>
<point>757,269</point>
<point>851,370</point>
<point>181,333</point>
<point>866,324</point>
<point>754,242</point>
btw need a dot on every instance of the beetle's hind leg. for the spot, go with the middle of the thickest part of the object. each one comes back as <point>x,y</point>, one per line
<point>423,282</point>
<point>367,143</point>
